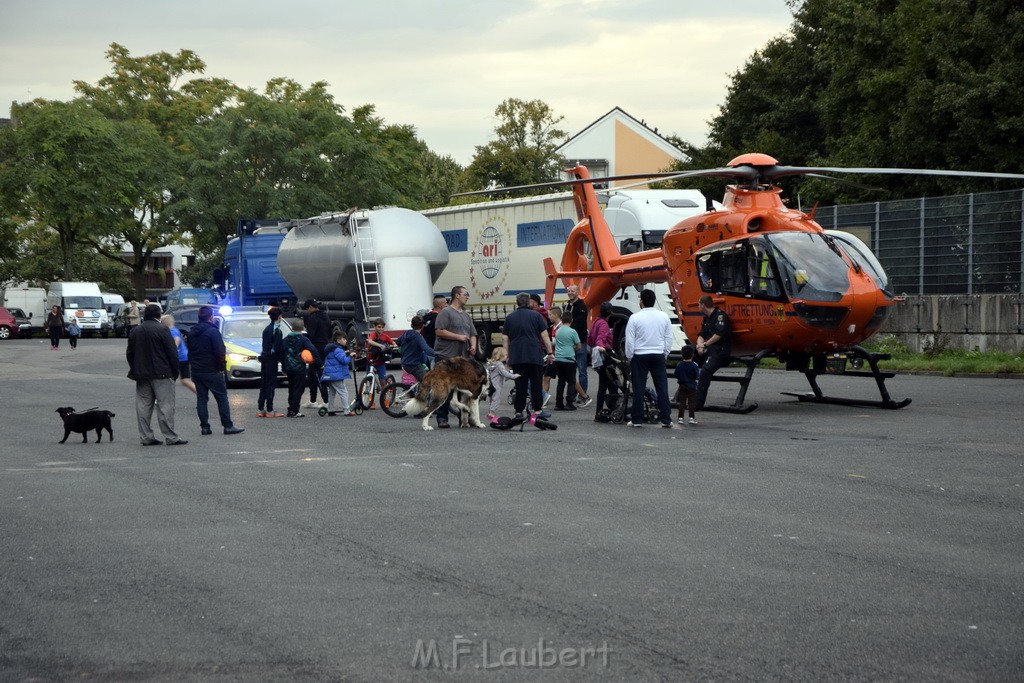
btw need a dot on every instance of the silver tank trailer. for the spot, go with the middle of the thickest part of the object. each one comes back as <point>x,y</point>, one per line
<point>317,259</point>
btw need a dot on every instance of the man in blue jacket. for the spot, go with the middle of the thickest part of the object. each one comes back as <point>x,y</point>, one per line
<point>207,355</point>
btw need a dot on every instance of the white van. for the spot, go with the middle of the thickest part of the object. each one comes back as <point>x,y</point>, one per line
<point>113,303</point>
<point>32,300</point>
<point>82,301</point>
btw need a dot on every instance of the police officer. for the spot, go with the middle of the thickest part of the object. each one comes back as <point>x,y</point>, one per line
<point>714,345</point>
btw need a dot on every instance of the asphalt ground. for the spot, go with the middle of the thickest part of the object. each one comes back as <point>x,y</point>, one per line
<point>806,542</point>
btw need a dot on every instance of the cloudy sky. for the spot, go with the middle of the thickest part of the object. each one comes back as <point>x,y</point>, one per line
<point>439,65</point>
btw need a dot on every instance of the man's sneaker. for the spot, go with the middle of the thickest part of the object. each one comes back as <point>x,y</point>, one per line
<point>350,413</point>
<point>273,414</point>
<point>261,413</point>
<point>666,425</point>
<point>547,397</point>
<point>693,420</point>
<point>681,420</point>
<point>310,404</point>
<point>518,416</point>
<point>630,424</point>
<point>584,402</point>
<point>296,415</point>
<point>544,415</point>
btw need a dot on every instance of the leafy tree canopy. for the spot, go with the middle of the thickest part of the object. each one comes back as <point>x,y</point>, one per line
<point>881,83</point>
<point>524,151</point>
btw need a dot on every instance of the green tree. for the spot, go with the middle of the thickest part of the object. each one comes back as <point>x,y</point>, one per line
<point>524,151</point>
<point>291,152</point>
<point>442,177</point>
<point>157,109</point>
<point>67,168</point>
<point>883,83</point>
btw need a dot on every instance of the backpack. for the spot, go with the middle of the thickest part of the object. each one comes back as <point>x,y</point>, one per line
<point>292,360</point>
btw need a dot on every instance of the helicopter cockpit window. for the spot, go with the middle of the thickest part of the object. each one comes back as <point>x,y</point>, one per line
<point>764,284</point>
<point>809,268</point>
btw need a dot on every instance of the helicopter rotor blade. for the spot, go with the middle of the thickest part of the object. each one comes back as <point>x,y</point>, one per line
<point>786,171</point>
<point>843,181</point>
<point>739,173</point>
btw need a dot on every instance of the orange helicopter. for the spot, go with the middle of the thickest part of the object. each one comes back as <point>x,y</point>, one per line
<point>792,289</point>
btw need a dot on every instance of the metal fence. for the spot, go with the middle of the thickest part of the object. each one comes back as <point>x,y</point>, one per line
<point>960,244</point>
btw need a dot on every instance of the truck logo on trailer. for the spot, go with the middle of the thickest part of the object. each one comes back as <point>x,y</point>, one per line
<point>489,258</point>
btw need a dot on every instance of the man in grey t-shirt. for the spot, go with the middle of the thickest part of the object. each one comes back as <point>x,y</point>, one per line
<point>456,336</point>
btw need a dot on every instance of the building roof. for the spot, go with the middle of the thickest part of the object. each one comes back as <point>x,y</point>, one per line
<point>617,113</point>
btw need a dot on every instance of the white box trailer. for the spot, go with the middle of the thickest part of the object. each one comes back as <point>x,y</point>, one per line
<point>497,249</point>
<point>32,300</point>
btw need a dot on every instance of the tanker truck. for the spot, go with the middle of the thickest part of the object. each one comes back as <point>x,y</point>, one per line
<point>364,265</point>
<point>360,265</point>
<point>497,249</point>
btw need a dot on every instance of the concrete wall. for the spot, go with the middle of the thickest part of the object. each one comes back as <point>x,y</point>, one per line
<point>983,322</point>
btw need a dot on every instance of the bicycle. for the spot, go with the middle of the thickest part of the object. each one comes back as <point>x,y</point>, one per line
<point>371,386</point>
<point>396,395</point>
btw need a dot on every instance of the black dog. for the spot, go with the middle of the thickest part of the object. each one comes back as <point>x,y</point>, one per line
<point>85,422</point>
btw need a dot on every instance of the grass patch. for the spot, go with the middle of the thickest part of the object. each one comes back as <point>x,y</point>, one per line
<point>939,358</point>
<point>951,362</point>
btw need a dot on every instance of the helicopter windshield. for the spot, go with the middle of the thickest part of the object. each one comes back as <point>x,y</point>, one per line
<point>861,255</point>
<point>810,267</point>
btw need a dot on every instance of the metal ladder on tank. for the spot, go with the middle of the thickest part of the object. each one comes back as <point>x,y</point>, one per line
<point>367,271</point>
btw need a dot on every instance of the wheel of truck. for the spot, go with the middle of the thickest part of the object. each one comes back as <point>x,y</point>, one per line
<point>483,343</point>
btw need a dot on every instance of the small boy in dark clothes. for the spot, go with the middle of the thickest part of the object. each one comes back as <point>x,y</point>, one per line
<point>687,372</point>
<point>294,365</point>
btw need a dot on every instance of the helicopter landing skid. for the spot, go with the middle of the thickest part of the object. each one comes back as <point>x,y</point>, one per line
<point>737,407</point>
<point>817,396</point>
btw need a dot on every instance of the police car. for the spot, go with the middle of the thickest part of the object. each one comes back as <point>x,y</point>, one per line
<point>242,329</point>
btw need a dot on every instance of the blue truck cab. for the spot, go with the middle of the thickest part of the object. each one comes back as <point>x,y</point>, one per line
<point>249,275</point>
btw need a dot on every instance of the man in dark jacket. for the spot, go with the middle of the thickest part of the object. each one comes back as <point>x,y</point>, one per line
<point>270,362</point>
<point>207,356</point>
<point>153,364</point>
<point>318,331</point>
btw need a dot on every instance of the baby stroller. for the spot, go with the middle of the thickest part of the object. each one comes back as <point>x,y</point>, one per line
<point>618,402</point>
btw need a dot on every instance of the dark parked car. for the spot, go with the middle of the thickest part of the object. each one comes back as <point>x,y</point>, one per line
<point>185,317</point>
<point>117,322</point>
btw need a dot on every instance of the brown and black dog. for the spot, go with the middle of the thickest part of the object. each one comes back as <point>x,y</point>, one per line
<point>85,422</point>
<point>462,379</point>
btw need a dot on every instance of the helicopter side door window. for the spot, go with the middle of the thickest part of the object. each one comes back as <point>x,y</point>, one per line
<point>733,270</point>
<point>707,271</point>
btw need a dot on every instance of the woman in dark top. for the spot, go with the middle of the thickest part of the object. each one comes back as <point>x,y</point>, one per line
<point>55,325</point>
